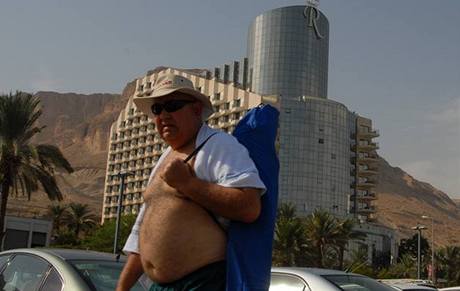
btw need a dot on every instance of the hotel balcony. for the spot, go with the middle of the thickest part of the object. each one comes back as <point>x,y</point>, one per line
<point>367,172</point>
<point>365,197</point>
<point>365,147</point>
<point>216,102</point>
<point>368,159</point>
<point>369,134</point>
<point>237,109</point>
<point>366,209</point>
<point>363,185</point>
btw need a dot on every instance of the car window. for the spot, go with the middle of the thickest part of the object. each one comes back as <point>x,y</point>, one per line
<point>101,275</point>
<point>281,282</point>
<point>356,283</point>
<point>3,260</point>
<point>23,273</point>
<point>53,281</point>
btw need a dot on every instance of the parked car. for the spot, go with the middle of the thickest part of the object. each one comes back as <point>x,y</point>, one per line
<point>313,279</point>
<point>412,287</point>
<point>60,270</point>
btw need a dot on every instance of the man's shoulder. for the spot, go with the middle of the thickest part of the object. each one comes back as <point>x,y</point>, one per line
<point>216,137</point>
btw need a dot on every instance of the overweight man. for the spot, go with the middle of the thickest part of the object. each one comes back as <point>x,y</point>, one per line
<point>179,238</point>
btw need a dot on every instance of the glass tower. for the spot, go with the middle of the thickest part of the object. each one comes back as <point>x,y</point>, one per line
<point>288,52</point>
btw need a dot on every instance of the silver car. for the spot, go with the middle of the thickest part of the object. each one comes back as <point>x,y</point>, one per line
<point>412,287</point>
<point>59,270</point>
<point>313,279</point>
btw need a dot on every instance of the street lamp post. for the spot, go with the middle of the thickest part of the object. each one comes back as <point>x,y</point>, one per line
<point>418,228</point>
<point>432,246</point>
<point>120,198</point>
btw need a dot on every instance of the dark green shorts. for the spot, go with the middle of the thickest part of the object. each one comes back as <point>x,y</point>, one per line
<point>208,278</point>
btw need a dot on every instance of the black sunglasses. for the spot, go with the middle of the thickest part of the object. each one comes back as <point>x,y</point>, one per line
<point>169,106</point>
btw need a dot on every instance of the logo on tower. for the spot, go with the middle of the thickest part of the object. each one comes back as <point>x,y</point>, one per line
<point>312,14</point>
<point>313,3</point>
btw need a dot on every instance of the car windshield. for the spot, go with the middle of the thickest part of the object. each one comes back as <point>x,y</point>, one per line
<point>101,275</point>
<point>356,283</point>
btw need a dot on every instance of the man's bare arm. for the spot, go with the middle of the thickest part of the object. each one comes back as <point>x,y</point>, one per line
<point>130,273</point>
<point>242,204</point>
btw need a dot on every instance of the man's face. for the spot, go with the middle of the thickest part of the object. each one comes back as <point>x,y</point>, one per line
<point>180,126</point>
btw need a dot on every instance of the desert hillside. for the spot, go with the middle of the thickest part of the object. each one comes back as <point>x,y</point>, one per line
<point>403,200</point>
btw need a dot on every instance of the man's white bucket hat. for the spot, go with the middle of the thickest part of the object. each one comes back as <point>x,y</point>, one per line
<point>168,83</point>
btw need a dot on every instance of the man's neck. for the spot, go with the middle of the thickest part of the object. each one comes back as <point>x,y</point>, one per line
<point>188,145</point>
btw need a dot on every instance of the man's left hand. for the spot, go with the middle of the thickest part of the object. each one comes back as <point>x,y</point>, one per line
<point>177,174</point>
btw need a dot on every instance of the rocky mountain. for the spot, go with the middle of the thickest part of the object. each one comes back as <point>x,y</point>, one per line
<point>80,126</point>
<point>457,201</point>
<point>403,200</point>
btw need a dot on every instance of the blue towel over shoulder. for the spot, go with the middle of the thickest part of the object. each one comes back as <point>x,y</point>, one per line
<point>249,246</point>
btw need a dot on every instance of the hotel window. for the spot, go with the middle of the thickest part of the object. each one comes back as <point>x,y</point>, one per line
<point>149,85</point>
<point>140,88</point>
<point>321,140</point>
<point>216,96</point>
<point>216,108</point>
<point>236,103</point>
<point>226,105</point>
<point>131,111</point>
<point>123,123</point>
<point>130,121</point>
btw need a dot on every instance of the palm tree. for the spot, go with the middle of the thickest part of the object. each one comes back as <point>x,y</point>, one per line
<point>346,233</point>
<point>58,214</point>
<point>79,218</point>
<point>290,244</point>
<point>323,231</point>
<point>448,260</point>
<point>23,166</point>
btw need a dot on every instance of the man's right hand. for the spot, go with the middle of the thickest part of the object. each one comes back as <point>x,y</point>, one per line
<point>130,273</point>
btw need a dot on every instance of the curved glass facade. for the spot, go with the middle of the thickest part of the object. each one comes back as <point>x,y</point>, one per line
<point>315,155</point>
<point>288,52</point>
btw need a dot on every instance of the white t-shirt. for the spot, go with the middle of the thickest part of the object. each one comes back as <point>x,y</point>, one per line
<point>222,160</point>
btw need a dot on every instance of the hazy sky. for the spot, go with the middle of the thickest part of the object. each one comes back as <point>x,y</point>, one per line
<point>396,62</point>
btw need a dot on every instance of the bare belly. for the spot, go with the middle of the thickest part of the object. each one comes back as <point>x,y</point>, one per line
<point>178,237</point>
